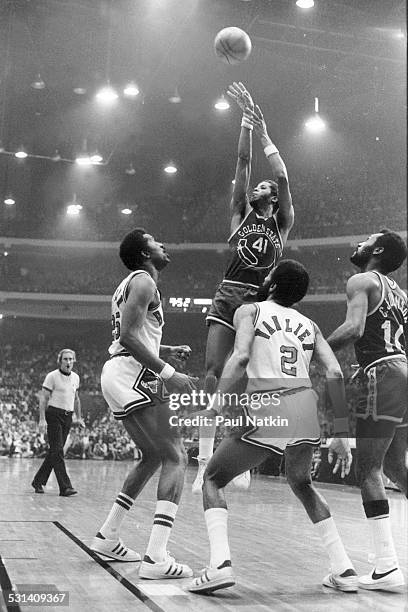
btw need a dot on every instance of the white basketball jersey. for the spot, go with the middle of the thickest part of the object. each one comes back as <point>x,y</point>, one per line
<point>151,332</point>
<point>282,349</point>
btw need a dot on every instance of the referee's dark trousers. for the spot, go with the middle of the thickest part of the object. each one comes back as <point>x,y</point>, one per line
<point>58,426</point>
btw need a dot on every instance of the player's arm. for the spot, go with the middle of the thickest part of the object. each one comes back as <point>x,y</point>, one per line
<point>239,200</point>
<point>44,398</point>
<point>334,376</point>
<point>141,295</point>
<point>335,387</point>
<point>235,367</point>
<point>358,291</point>
<point>285,214</point>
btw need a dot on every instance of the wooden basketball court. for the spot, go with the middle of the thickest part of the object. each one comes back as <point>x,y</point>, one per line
<point>277,558</point>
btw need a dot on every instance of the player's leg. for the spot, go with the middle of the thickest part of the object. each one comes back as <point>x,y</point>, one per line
<point>395,467</point>
<point>373,439</point>
<point>232,457</point>
<point>298,461</point>
<point>141,427</point>
<point>220,342</point>
<point>157,563</point>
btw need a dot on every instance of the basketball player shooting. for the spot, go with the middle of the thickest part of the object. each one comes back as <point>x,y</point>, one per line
<point>260,224</point>
<point>132,384</point>
<point>376,322</point>
<point>274,345</point>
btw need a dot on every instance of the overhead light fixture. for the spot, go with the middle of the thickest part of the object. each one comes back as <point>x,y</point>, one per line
<point>399,35</point>
<point>126,211</point>
<point>83,160</point>
<point>175,98</point>
<point>170,168</point>
<point>305,4</point>
<point>96,158</point>
<point>233,181</point>
<point>315,124</point>
<point>130,170</point>
<point>9,201</point>
<point>79,91</point>
<point>74,209</point>
<point>21,153</point>
<point>131,90</point>
<point>222,103</point>
<point>2,149</point>
<point>107,95</point>
<point>38,82</point>
<point>56,157</point>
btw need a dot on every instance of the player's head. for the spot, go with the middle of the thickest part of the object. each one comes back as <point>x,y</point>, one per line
<point>138,247</point>
<point>385,251</point>
<point>65,360</point>
<point>264,194</point>
<point>286,284</point>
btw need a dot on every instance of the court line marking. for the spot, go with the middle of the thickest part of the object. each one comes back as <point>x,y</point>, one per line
<point>105,565</point>
<point>5,584</point>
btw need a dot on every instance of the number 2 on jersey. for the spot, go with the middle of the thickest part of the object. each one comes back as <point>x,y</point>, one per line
<point>289,356</point>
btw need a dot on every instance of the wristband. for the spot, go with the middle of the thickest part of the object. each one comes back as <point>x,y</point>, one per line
<point>245,123</point>
<point>341,425</point>
<point>167,372</point>
<point>270,149</point>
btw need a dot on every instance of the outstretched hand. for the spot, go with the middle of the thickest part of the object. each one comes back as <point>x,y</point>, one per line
<point>256,117</point>
<point>340,447</point>
<point>239,93</point>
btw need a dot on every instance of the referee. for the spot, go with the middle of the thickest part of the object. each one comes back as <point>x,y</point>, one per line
<point>58,399</point>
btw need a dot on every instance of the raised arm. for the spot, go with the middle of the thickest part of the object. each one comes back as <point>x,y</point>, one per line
<point>359,288</point>
<point>239,200</point>
<point>285,213</point>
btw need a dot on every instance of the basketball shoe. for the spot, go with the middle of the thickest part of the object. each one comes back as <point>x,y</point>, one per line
<point>211,580</point>
<point>347,581</point>
<point>115,550</point>
<point>169,568</point>
<point>393,581</point>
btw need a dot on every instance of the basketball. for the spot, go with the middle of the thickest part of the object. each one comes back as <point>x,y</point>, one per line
<point>232,45</point>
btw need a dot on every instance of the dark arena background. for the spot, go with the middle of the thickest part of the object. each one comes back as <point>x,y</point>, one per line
<point>79,168</point>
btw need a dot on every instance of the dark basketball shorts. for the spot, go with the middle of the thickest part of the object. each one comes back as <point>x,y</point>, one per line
<point>383,395</point>
<point>228,297</point>
<point>127,386</point>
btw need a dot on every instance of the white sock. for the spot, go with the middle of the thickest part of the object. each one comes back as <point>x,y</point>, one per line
<point>339,559</point>
<point>385,554</point>
<point>206,442</point>
<point>217,527</point>
<point>122,505</point>
<point>162,525</point>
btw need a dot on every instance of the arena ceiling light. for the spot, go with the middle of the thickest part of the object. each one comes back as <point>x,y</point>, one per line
<point>126,211</point>
<point>130,171</point>
<point>83,160</point>
<point>9,201</point>
<point>38,82</point>
<point>131,90</point>
<point>170,168</point>
<point>96,158</point>
<point>305,4</point>
<point>315,124</point>
<point>107,95</point>
<point>175,98</point>
<point>21,153</point>
<point>222,104</point>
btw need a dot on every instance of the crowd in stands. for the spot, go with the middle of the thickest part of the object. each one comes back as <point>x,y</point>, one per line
<point>23,368</point>
<point>191,273</point>
<point>356,196</point>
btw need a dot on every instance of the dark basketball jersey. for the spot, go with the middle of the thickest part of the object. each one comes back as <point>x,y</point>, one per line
<point>256,245</point>
<point>385,328</point>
